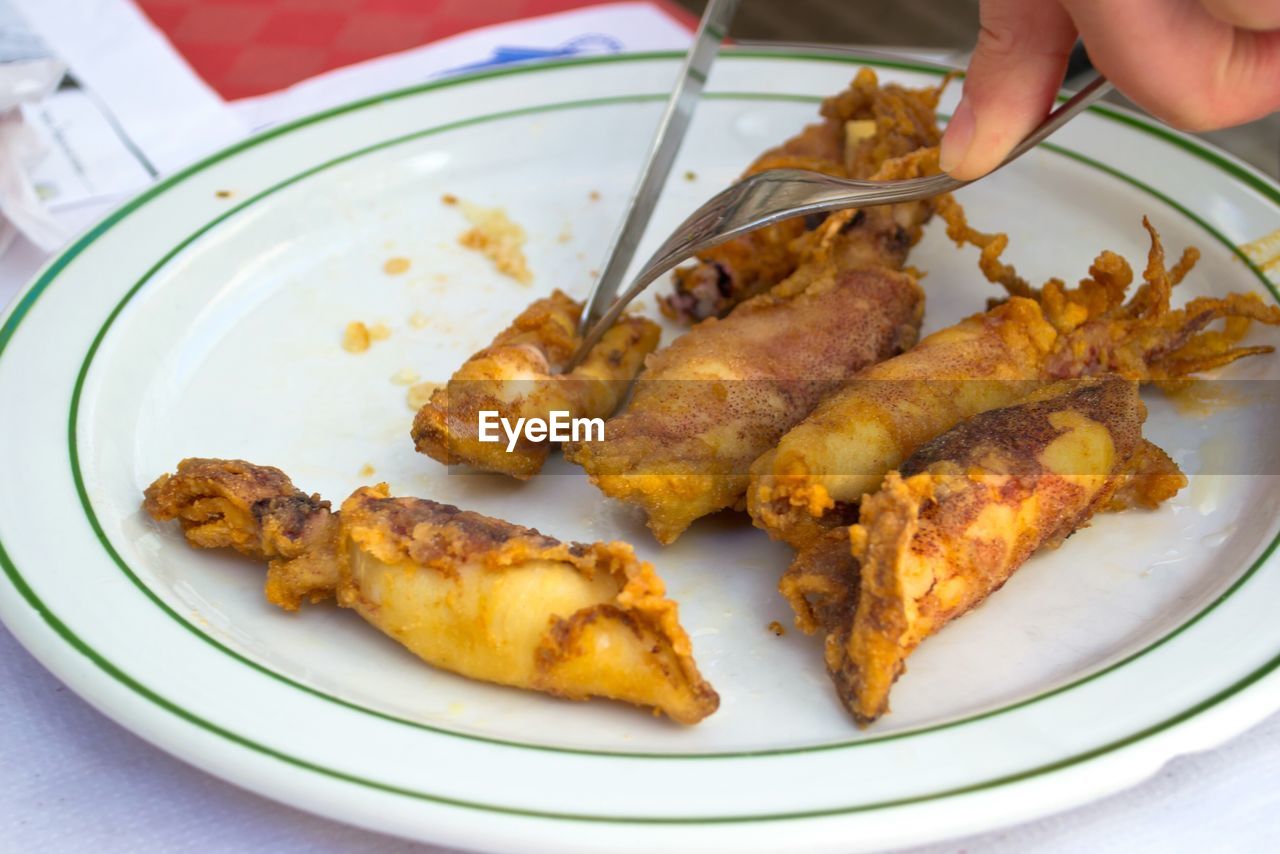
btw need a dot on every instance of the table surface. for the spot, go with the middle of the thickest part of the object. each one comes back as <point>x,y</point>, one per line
<point>71,780</point>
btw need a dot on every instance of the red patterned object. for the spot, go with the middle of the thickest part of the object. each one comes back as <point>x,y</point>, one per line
<point>250,47</point>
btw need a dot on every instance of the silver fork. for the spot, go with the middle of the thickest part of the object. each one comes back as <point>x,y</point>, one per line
<point>778,194</point>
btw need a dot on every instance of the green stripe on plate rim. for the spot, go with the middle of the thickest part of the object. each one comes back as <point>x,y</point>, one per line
<point>23,304</point>
<point>122,677</point>
<point>107,667</point>
<point>123,565</point>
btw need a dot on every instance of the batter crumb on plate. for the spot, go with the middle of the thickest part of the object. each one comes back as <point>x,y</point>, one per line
<point>395,266</point>
<point>499,239</point>
<point>418,320</point>
<point>355,337</point>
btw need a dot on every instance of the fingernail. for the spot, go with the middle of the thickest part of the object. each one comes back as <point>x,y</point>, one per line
<point>957,137</point>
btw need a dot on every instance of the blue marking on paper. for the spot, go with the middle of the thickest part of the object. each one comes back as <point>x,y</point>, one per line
<point>589,43</point>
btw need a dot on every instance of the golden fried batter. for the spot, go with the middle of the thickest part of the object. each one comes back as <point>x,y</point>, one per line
<point>257,511</point>
<point>967,509</point>
<point>724,392</point>
<point>820,469</point>
<point>468,593</point>
<point>814,477</point>
<point>862,129</point>
<point>518,376</point>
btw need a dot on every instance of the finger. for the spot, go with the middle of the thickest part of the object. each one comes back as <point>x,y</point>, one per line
<point>1016,69</point>
<point>1246,14</point>
<point>1190,68</point>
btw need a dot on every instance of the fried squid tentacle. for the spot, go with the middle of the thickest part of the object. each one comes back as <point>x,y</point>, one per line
<point>824,465</point>
<point>723,393</point>
<point>518,376</point>
<point>962,516</point>
<point>464,592</point>
<point>1144,337</point>
<point>257,511</point>
<point>862,129</point>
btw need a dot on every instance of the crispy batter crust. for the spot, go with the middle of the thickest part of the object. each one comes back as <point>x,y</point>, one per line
<point>724,392</point>
<point>518,376</point>
<point>708,406</point>
<point>843,448</point>
<point>467,592</point>
<point>257,511</point>
<point>821,585</point>
<point>828,461</point>
<point>445,540</point>
<point>1151,478</point>
<point>862,129</point>
<point>435,535</point>
<point>967,509</point>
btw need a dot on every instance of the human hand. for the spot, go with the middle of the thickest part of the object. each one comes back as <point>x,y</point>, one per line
<point>1196,64</point>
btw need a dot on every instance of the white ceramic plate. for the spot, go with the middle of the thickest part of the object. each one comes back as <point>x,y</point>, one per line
<point>198,322</point>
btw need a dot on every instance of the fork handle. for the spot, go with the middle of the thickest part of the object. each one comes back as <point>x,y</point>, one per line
<point>1065,112</point>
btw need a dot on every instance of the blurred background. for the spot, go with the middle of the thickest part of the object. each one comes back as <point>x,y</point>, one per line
<point>919,23</point>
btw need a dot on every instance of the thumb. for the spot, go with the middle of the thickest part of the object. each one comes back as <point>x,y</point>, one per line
<point>1016,69</point>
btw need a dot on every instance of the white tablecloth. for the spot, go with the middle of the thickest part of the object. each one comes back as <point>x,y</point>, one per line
<point>73,781</point>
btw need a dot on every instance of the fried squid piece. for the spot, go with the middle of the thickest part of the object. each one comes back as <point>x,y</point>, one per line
<point>467,593</point>
<point>517,376</point>
<point>257,511</point>
<point>724,392</point>
<point>967,510</point>
<point>863,129</point>
<point>823,466</point>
